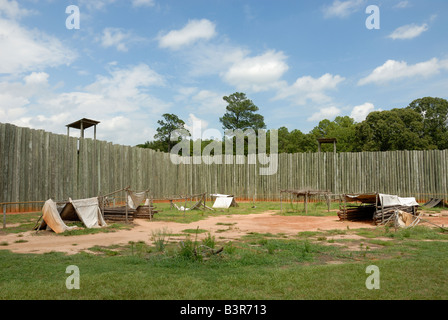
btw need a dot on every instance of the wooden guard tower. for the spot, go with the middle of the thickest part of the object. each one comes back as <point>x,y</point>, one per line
<point>82,125</point>
<point>327,140</point>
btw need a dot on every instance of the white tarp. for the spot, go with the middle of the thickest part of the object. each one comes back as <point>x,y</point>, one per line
<point>223,201</point>
<point>135,199</point>
<point>388,200</point>
<point>89,212</point>
<point>53,219</point>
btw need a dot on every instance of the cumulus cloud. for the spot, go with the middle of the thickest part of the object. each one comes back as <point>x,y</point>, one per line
<point>393,70</point>
<point>257,73</point>
<point>192,32</point>
<point>342,9</point>
<point>26,50</point>
<point>360,113</point>
<point>114,37</point>
<point>409,31</point>
<point>120,100</point>
<point>325,113</point>
<point>12,10</point>
<point>312,89</point>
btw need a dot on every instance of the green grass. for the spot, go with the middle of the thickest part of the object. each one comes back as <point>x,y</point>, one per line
<point>316,209</point>
<point>258,266</point>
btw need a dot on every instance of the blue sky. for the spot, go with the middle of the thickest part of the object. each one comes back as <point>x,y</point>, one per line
<point>298,61</point>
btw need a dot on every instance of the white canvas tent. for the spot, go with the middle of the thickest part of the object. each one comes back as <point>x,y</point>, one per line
<point>85,210</point>
<point>223,201</point>
<point>52,219</point>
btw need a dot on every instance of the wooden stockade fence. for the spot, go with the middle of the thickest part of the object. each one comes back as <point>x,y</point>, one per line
<point>36,165</point>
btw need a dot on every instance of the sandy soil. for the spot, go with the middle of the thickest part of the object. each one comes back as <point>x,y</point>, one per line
<point>222,227</point>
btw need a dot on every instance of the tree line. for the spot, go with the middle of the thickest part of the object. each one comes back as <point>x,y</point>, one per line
<point>422,125</point>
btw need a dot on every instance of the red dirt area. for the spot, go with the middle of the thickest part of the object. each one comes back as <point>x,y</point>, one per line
<point>224,228</point>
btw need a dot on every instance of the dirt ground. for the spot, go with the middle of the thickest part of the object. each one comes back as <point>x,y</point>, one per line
<point>224,228</point>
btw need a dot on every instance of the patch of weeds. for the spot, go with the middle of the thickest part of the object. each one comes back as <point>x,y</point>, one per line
<point>225,224</point>
<point>20,241</point>
<point>307,234</point>
<point>381,242</point>
<point>209,241</point>
<point>4,243</point>
<point>363,249</point>
<point>139,249</point>
<point>106,251</point>
<point>367,233</point>
<point>197,230</point>
<point>188,250</point>
<point>337,232</point>
<point>160,239</point>
<point>229,248</point>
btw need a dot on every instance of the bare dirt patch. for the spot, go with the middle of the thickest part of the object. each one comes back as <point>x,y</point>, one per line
<point>224,228</point>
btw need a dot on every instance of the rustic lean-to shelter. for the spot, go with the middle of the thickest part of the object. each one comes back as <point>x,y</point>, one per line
<point>377,207</point>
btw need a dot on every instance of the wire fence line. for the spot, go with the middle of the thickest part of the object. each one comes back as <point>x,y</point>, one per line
<point>36,165</point>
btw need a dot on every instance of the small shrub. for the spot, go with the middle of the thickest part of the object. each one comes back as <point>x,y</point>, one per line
<point>209,241</point>
<point>188,250</point>
<point>159,237</point>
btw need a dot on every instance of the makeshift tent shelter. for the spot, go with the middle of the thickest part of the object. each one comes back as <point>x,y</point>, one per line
<point>223,201</point>
<point>435,202</point>
<point>374,206</point>
<point>133,207</point>
<point>200,203</point>
<point>85,210</point>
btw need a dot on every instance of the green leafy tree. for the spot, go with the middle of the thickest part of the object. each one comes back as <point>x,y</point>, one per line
<point>341,128</point>
<point>294,141</point>
<point>241,113</point>
<point>167,131</point>
<point>435,119</point>
<point>396,129</point>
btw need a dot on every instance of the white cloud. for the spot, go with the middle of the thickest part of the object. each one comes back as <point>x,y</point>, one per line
<point>402,4</point>
<point>193,31</point>
<point>120,100</point>
<point>114,37</point>
<point>95,5</point>
<point>409,31</point>
<point>325,113</point>
<point>209,102</point>
<point>257,73</point>
<point>12,10</point>
<point>143,3</point>
<point>118,38</point>
<point>308,88</point>
<point>393,70</point>
<point>37,78</point>
<point>25,50</point>
<point>342,9</point>
<point>360,113</point>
